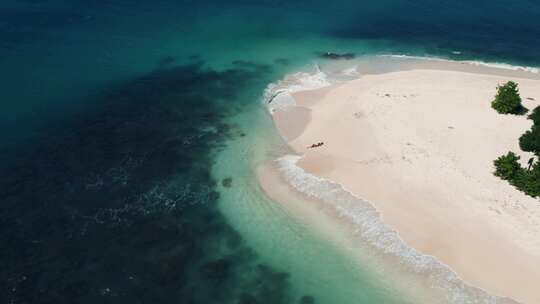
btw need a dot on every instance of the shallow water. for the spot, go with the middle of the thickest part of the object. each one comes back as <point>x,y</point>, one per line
<point>131,133</point>
<point>317,267</point>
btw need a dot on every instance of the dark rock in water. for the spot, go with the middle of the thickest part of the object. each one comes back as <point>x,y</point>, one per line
<point>307,300</point>
<point>273,290</point>
<point>250,65</point>
<point>338,56</point>
<point>227,182</point>
<point>242,63</point>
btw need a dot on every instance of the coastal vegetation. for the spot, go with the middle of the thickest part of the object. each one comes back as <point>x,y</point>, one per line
<point>507,99</point>
<point>530,140</point>
<point>507,166</point>
<point>527,180</point>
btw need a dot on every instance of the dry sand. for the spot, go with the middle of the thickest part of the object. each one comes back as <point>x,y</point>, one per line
<point>420,146</point>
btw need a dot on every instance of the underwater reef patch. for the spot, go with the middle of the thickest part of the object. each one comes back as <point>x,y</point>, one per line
<point>118,205</point>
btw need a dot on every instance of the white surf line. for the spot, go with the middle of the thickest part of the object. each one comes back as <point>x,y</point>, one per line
<point>497,65</point>
<point>377,233</point>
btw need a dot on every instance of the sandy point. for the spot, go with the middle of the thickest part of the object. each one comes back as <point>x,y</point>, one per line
<point>419,145</point>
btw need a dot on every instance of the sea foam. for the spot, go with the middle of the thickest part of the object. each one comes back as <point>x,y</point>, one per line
<point>278,95</point>
<point>367,221</point>
<point>497,65</point>
<point>371,229</point>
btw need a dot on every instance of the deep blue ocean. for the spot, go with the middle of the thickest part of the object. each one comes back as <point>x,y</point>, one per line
<point>112,112</point>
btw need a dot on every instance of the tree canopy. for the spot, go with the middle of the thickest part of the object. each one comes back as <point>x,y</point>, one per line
<point>507,100</point>
<point>508,167</point>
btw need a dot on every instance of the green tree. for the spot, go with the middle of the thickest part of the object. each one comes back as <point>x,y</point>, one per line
<point>528,181</point>
<point>507,166</point>
<point>535,116</point>
<point>530,140</point>
<point>507,99</point>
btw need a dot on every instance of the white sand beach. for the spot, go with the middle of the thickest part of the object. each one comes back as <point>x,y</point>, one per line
<point>419,145</point>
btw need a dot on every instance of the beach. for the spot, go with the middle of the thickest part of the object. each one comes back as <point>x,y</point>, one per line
<point>156,152</point>
<point>418,145</point>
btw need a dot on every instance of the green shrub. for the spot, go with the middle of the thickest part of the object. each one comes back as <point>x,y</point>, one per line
<point>507,166</point>
<point>533,188</point>
<point>527,181</point>
<point>530,140</point>
<point>507,99</point>
<point>535,116</point>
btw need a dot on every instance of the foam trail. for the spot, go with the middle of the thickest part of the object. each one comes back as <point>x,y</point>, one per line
<point>278,95</point>
<point>371,229</point>
<point>351,72</point>
<point>497,65</point>
<point>367,220</point>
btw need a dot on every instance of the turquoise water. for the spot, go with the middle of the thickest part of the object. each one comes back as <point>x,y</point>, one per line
<point>131,131</point>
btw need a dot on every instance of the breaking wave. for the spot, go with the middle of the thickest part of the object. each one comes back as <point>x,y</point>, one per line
<point>497,65</point>
<point>278,95</point>
<point>367,221</point>
<point>370,227</point>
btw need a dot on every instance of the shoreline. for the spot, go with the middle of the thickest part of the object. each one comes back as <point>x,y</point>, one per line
<point>420,277</point>
<point>368,172</point>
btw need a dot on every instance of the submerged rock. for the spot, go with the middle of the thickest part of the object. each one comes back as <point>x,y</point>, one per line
<point>338,56</point>
<point>130,181</point>
<point>307,300</point>
<point>226,182</point>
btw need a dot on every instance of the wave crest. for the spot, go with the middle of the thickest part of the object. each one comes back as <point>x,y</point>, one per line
<point>370,228</point>
<point>497,65</point>
<point>278,95</point>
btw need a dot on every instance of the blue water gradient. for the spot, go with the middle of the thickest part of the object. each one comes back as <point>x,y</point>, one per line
<point>112,111</point>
